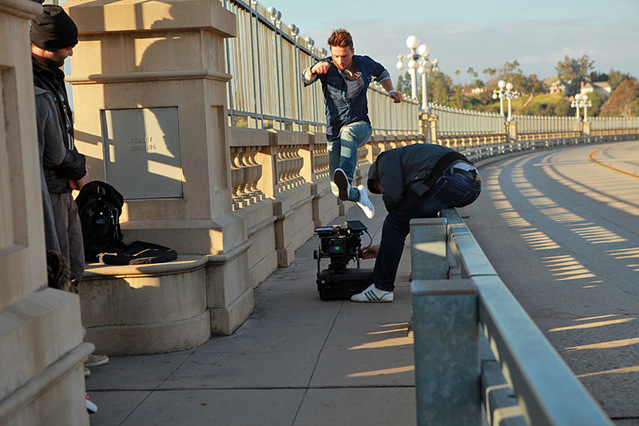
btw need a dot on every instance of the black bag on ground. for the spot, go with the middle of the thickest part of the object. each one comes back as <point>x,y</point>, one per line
<point>99,208</point>
<point>138,253</point>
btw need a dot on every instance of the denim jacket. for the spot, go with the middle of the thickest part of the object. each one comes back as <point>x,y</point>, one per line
<point>341,111</point>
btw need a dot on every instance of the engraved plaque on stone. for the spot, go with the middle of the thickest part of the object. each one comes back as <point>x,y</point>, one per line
<point>142,152</point>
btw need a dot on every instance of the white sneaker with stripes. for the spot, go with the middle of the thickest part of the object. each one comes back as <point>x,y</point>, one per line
<point>373,295</point>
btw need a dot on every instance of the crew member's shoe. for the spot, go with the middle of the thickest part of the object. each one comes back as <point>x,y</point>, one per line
<point>374,295</point>
<point>96,360</point>
<point>343,184</point>
<point>365,202</point>
<point>91,407</point>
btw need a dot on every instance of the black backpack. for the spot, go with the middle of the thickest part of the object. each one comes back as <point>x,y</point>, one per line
<point>99,208</point>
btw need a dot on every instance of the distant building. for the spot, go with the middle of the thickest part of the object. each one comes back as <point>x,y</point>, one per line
<point>601,87</point>
<point>560,87</point>
<point>476,91</point>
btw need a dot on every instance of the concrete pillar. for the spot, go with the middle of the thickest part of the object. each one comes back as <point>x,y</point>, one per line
<point>149,87</point>
<point>41,349</point>
<point>511,129</point>
<point>447,364</point>
<point>429,246</point>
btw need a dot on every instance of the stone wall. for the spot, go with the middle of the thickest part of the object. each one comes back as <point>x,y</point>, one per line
<point>41,349</point>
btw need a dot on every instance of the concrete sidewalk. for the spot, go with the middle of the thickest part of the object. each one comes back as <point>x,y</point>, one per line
<point>296,361</point>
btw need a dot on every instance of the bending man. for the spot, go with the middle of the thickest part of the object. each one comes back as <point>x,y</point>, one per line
<point>416,181</point>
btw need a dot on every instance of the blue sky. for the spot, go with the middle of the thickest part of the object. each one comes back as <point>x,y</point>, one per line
<point>479,34</point>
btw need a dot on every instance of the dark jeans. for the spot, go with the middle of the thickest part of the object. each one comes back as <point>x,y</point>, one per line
<point>452,189</point>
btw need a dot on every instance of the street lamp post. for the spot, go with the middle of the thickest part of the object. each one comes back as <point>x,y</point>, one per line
<point>418,63</point>
<point>505,91</point>
<point>581,101</point>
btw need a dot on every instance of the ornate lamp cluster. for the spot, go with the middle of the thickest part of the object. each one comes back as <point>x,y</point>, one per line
<point>581,101</point>
<point>505,91</point>
<point>418,63</point>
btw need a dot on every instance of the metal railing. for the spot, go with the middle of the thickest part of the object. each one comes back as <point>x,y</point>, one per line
<point>614,123</point>
<point>457,295</point>
<point>541,124</point>
<point>453,121</point>
<point>267,59</point>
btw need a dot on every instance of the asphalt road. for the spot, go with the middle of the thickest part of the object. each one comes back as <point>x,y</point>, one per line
<point>561,227</point>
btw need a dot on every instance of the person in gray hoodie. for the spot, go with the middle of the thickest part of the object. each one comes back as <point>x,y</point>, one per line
<point>416,181</point>
<point>52,152</point>
<point>53,36</point>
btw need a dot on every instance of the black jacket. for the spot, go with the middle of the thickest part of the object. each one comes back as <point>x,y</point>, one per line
<point>414,167</point>
<point>73,165</point>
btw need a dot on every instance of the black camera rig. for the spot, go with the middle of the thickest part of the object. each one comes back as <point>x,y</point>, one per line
<point>341,244</point>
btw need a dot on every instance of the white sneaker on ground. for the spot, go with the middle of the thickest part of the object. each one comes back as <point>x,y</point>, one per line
<point>91,407</point>
<point>374,295</point>
<point>343,184</point>
<point>365,202</point>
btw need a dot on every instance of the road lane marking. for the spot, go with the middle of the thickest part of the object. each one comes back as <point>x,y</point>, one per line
<point>592,158</point>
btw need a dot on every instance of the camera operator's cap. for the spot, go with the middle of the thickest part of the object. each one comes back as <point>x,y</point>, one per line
<point>53,29</point>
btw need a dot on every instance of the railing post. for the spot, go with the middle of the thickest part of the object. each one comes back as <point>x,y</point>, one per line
<point>429,249</point>
<point>446,332</point>
<point>447,365</point>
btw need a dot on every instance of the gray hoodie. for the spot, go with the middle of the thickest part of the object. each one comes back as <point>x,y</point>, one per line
<point>52,152</point>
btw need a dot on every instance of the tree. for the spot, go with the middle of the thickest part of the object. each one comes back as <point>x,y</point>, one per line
<point>615,78</point>
<point>531,85</point>
<point>473,77</point>
<point>439,88</point>
<point>404,85</point>
<point>597,100</point>
<point>574,71</point>
<point>623,102</point>
<point>490,72</point>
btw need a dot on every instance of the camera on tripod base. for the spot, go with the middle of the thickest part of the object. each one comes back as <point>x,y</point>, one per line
<point>341,244</point>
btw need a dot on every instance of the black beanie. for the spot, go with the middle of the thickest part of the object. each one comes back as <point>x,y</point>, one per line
<point>53,29</point>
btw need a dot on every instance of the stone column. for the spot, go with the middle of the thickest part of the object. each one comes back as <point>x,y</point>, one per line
<point>41,349</point>
<point>511,130</point>
<point>428,126</point>
<point>149,87</point>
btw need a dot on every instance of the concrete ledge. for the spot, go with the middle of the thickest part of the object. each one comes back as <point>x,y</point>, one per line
<point>145,309</point>
<point>225,321</point>
<point>151,338</point>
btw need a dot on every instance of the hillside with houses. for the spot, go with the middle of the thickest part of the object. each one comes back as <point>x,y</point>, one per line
<point>611,94</point>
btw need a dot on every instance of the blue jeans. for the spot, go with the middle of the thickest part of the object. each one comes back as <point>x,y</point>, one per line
<point>450,190</point>
<point>342,153</point>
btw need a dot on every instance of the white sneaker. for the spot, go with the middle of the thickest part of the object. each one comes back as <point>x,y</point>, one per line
<point>91,407</point>
<point>343,184</point>
<point>373,294</point>
<point>365,202</point>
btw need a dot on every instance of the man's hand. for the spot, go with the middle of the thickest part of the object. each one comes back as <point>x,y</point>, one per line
<point>397,97</point>
<point>78,184</point>
<point>371,252</point>
<point>321,67</point>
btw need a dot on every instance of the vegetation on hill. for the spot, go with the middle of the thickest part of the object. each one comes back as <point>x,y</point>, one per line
<point>535,97</point>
